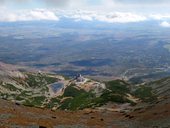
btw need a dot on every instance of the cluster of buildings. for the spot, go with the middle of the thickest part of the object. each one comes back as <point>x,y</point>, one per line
<point>79,79</point>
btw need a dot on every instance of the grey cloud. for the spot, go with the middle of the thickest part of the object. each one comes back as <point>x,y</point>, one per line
<point>48,2</point>
<point>66,2</point>
<point>57,2</point>
<point>142,1</point>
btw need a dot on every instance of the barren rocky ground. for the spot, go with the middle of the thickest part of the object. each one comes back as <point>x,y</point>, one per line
<point>17,116</point>
<point>12,115</point>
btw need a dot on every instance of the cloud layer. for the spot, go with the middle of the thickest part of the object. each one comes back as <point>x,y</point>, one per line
<point>165,24</point>
<point>114,17</point>
<point>79,15</point>
<point>27,15</point>
<point>45,14</point>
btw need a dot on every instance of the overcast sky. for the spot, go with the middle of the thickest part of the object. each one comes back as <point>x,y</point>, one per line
<point>111,11</point>
<point>142,6</point>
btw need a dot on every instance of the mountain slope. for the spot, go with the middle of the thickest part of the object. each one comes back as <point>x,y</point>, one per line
<point>52,91</point>
<point>96,104</point>
<point>145,114</point>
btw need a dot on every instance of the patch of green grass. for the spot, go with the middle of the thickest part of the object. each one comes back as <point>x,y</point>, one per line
<point>38,100</point>
<point>37,80</point>
<point>22,96</point>
<point>53,102</point>
<point>81,101</point>
<point>145,93</point>
<point>18,98</point>
<point>10,87</point>
<point>35,101</point>
<point>4,95</point>
<point>71,91</point>
<point>65,104</point>
<point>118,86</point>
<point>28,103</point>
<point>25,93</point>
<point>109,96</point>
<point>116,92</point>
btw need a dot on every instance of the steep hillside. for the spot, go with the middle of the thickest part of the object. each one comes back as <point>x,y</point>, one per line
<point>145,114</point>
<point>18,116</point>
<point>24,87</point>
<point>154,108</point>
<point>161,87</point>
<point>99,104</point>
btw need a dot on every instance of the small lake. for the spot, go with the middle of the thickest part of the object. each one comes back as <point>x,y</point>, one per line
<point>57,86</point>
